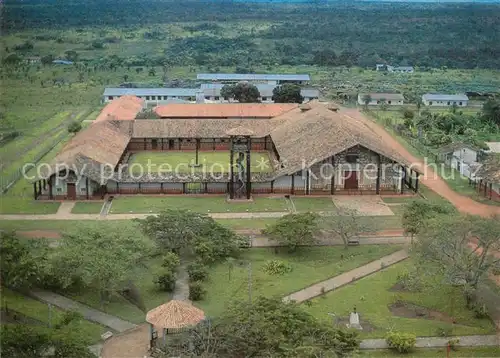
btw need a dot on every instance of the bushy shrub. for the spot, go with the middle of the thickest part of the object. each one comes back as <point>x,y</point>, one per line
<point>409,280</point>
<point>480,310</point>
<point>453,343</point>
<point>443,332</point>
<point>74,127</point>
<point>166,281</point>
<point>197,271</point>
<point>401,342</point>
<point>276,267</point>
<point>171,261</point>
<point>196,291</point>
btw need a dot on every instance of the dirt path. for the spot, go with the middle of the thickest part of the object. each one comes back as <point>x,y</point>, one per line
<point>430,178</point>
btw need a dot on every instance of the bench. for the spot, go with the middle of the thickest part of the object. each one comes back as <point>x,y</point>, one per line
<point>353,242</point>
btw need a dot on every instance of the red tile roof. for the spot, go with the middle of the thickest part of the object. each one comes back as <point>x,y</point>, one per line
<point>225,110</point>
<point>124,108</point>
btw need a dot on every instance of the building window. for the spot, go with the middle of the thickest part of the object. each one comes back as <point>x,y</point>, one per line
<point>352,158</point>
<point>264,98</point>
<point>83,190</point>
<point>165,97</point>
<point>448,103</point>
<point>59,190</point>
<point>153,98</point>
<point>389,102</point>
<point>110,97</point>
<point>226,98</point>
<point>207,97</point>
<point>430,103</point>
<point>460,103</point>
<point>147,98</point>
<point>216,98</point>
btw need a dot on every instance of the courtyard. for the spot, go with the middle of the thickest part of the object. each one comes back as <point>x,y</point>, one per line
<point>183,162</point>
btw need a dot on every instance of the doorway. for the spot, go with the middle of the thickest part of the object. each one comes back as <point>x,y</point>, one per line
<point>350,179</point>
<point>71,191</point>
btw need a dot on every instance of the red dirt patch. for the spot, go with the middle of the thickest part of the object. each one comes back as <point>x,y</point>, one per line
<point>133,343</point>
<point>38,234</point>
<point>409,310</point>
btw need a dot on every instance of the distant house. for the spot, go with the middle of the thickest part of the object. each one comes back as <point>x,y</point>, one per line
<point>462,157</point>
<point>62,62</point>
<point>211,92</point>
<point>270,79</point>
<point>153,95</point>
<point>487,179</point>
<point>391,99</point>
<point>33,59</point>
<point>445,100</point>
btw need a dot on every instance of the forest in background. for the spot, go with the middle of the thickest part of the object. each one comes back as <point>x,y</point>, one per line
<point>333,34</point>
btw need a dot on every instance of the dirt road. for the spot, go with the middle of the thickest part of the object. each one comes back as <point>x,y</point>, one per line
<point>430,179</point>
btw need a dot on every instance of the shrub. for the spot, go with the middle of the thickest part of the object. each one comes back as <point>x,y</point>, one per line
<point>196,291</point>
<point>166,281</point>
<point>480,310</point>
<point>496,271</point>
<point>443,332</point>
<point>197,271</point>
<point>171,261</point>
<point>452,343</point>
<point>74,127</point>
<point>409,280</point>
<point>401,342</point>
<point>276,267</point>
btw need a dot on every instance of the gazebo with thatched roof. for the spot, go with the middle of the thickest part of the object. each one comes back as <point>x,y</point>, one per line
<point>174,315</point>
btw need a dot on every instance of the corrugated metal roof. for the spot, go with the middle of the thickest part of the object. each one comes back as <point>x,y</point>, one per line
<point>388,96</point>
<point>252,77</point>
<point>444,97</point>
<point>151,91</point>
<point>494,147</point>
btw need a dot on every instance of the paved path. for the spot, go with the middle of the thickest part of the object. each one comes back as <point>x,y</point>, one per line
<point>430,178</point>
<point>437,342</point>
<point>347,277</point>
<point>115,323</point>
<point>261,241</point>
<point>181,291</point>
<point>65,208</point>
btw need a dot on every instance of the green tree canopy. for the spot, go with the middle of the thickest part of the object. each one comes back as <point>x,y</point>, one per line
<point>243,92</point>
<point>294,230</point>
<point>417,212</point>
<point>287,93</point>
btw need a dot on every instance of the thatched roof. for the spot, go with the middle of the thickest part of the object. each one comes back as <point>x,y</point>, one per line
<point>124,108</point>
<point>175,314</point>
<point>224,110</point>
<point>240,131</point>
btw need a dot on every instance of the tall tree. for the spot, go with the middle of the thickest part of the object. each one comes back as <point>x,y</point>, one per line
<point>243,92</point>
<point>287,93</point>
<point>345,223</point>
<point>366,100</point>
<point>460,247</point>
<point>98,259</point>
<point>294,230</point>
<point>491,110</point>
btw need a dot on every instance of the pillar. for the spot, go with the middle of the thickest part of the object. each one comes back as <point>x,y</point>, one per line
<point>332,179</point>
<point>180,143</point>
<point>161,187</point>
<point>44,184</point>
<point>249,174</point>
<point>292,190</point>
<point>183,188</point>
<point>87,187</point>
<point>213,144</point>
<point>491,190</point>
<point>377,184</point>
<point>50,190</point>
<point>231,173</point>
<point>34,190</point>
<point>272,186</point>
<point>416,183</point>
<point>197,149</point>
<point>410,179</point>
<point>307,182</point>
<point>403,175</point>
<point>485,188</point>
<point>145,144</point>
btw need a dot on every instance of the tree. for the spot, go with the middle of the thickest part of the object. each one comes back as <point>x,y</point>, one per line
<point>287,93</point>
<point>491,111</point>
<point>461,248</point>
<point>12,59</point>
<point>71,55</point>
<point>243,92</point>
<point>270,327</point>
<point>20,268</point>
<point>366,100</point>
<point>417,212</point>
<point>345,223</point>
<point>185,232</point>
<point>294,230</point>
<point>97,259</point>
<point>74,127</point>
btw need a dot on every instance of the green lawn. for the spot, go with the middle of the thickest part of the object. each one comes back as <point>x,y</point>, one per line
<point>241,224</point>
<point>87,207</point>
<point>90,332</point>
<point>372,297</point>
<point>435,353</point>
<point>398,200</point>
<point>313,204</point>
<point>214,204</point>
<point>119,306</point>
<point>309,265</point>
<point>23,205</point>
<point>211,162</point>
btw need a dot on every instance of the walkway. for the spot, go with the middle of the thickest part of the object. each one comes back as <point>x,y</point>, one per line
<point>65,208</point>
<point>181,291</point>
<point>115,323</point>
<point>438,342</point>
<point>430,178</point>
<point>347,277</point>
<point>261,241</point>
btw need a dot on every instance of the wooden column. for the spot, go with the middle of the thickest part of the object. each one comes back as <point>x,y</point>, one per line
<point>50,190</point>
<point>272,186</point>
<point>180,143</point>
<point>332,179</point>
<point>87,187</point>
<point>292,190</point>
<point>34,190</point>
<point>491,190</point>
<point>183,188</point>
<point>485,188</point>
<point>377,184</point>
<point>161,188</point>
<point>410,179</point>
<point>249,172</point>
<point>213,145</point>
<point>145,144</point>
<point>197,149</point>
<point>416,183</point>
<point>205,187</point>
<point>307,182</point>
<point>44,184</point>
<point>139,187</point>
<point>403,175</point>
<point>231,173</point>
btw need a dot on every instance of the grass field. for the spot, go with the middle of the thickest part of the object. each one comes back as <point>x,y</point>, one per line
<point>313,204</point>
<point>213,204</point>
<point>462,352</point>
<point>181,162</point>
<point>87,207</point>
<point>372,296</point>
<point>310,265</point>
<point>89,332</point>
